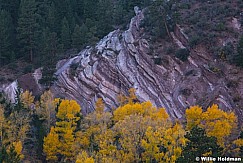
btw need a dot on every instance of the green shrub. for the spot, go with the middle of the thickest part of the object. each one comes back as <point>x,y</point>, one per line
<point>183,54</point>
<point>157,60</point>
<point>28,69</point>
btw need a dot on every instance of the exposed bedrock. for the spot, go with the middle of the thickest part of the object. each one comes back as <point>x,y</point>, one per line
<point>120,61</point>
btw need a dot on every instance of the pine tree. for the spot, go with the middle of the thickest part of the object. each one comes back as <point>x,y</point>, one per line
<point>51,45</point>
<point>199,144</point>
<point>65,34</point>
<point>51,18</point>
<point>104,12</point>
<point>238,59</point>
<point>84,30</point>
<point>28,28</point>
<point>77,39</point>
<point>6,37</point>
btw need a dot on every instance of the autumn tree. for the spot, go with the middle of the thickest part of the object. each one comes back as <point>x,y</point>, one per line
<point>84,158</point>
<point>13,133</point>
<point>45,109</point>
<point>27,99</point>
<point>51,145</point>
<point>123,99</point>
<point>64,132</point>
<point>142,128</point>
<point>216,122</point>
<point>239,145</point>
<point>94,124</point>
<point>2,124</point>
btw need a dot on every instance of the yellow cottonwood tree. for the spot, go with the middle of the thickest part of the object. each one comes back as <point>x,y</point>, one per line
<point>99,105</point>
<point>239,146</point>
<point>122,99</point>
<point>18,148</point>
<point>51,145</point>
<point>45,109</point>
<point>94,124</point>
<point>193,116</point>
<point>64,131</point>
<point>2,123</point>
<point>27,99</point>
<point>84,158</point>
<point>144,126</point>
<point>216,122</point>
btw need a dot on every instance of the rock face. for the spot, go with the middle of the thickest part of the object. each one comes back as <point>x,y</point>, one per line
<point>121,61</point>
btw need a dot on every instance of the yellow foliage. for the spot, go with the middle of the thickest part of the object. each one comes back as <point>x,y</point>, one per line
<point>238,142</point>
<point>122,99</point>
<point>27,99</point>
<point>18,148</point>
<point>68,110</point>
<point>46,109</point>
<point>18,126</point>
<point>84,158</point>
<point>216,122</point>
<point>2,122</point>
<point>51,145</point>
<point>144,109</point>
<point>67,145</point>
<point>193,116</point>
<point>132,96</point>
<point>239,146</point>
<point>99,106</point>
<point>64,132</point>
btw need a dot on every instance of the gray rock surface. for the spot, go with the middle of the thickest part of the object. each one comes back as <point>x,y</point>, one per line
<point>120,61</point>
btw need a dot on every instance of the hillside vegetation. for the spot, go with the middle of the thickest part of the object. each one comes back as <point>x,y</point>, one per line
<point>37,33</point>
<point>54,130</point>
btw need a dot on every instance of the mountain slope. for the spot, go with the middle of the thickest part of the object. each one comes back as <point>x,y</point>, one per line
<point>121,61</point>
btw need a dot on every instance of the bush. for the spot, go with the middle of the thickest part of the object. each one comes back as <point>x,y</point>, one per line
<point>2,78</point>
<point>13,66</point>
<point>193,41</point>
<point>73,68</point>
<point>238,59</point>
<point>183,54</point>
<point>28,69</point>
<point>157,60</point>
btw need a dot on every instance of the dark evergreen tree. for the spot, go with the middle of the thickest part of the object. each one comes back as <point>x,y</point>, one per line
<point>50,48</point>
<point>12,7</point>
<point>241,148</point>
<point>6,37</point>
<point>92,31</point>
<point>77,39</point>
<point>65,34</point>
<point>84,30</point>
<point>28,28</point>
<point>238,59</point>
<point>51,18</point>
<point>159,19</point>
<point>198,145</point>
<point>104,14</point>
<point>90,8</point>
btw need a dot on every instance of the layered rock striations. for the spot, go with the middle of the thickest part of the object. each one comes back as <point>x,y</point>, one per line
<point>121,61</point>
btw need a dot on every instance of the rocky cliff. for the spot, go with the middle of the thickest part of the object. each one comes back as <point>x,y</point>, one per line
<point>121,61</point>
